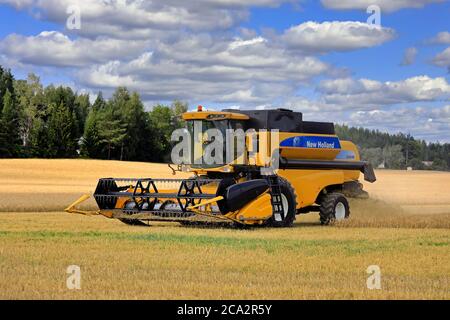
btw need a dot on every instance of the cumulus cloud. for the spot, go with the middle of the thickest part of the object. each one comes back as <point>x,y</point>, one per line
<point>335,36</point>
<point>425,122</point>
<point>443,59</point>
<point>141,19</point>
<point>364,93</point>
<point>429,123</point>
<point>201,67</point>
<point>385,5</point>
<point>18,4</point>
<point>195,51</point>
<point>51,48</point>
<point>440,38</point>
<point>409,57</point>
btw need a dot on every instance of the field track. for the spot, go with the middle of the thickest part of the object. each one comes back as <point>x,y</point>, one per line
<point>404,228</point>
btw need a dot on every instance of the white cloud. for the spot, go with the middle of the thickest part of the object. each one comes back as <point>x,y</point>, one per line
<point>141,19</point>
<point>51,48</point>
<point>241,43</point>
<point>335,36</point>
<point>178,49</point>
<point>247,95</point>
<point>364,93</point>
<point>443,59</point>
<point>198,67</point>
<point>425,122</point>
<point>409,57</point>
<point>18,4</point>
<point>429,123</point>
<point>440,38</point>
<point>385,5</point>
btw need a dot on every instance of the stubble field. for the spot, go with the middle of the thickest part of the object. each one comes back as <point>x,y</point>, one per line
<point>404,229</point>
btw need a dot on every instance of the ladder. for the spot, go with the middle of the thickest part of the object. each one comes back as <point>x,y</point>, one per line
<point>277,201</point>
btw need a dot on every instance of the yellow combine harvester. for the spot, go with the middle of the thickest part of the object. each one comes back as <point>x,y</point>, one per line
<point>316,172</point>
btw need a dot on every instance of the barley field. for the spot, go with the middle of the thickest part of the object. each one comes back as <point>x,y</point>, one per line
<point>404,228</point>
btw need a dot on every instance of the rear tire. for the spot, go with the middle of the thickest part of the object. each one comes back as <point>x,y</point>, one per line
<point>290,198</point>
<point>333,207</point>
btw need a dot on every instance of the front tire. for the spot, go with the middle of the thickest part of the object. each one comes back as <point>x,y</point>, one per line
<point>289,199</point>
<point>333,207</point>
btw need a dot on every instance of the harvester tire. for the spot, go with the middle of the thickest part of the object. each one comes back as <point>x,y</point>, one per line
<point>289,193</point>
<point>333,207</point>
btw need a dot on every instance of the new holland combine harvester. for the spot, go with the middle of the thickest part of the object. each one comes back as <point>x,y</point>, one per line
<point>317,172</point>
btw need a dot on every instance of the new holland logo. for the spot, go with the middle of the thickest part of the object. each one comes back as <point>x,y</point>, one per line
<point>312,142</point>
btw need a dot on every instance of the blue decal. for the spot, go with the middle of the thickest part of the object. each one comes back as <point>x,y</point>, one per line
<point>312,142</point>
<point>346,155</point>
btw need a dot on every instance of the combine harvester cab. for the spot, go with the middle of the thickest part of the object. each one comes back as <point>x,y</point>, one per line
<point>317,172</point>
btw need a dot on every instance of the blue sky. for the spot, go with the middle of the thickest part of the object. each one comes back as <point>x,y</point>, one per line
<point>383,62</point>
<point>318,57</point>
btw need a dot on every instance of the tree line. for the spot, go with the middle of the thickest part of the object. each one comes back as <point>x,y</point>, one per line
<point>55,122</point>
<point>397,151</point>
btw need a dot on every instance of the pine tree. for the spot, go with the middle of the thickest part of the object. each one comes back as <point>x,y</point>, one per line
<point>138,141</point>
<point>4,145</point>
<point>162,119</point>
<point>112,132</point>
<point>82,109</point>
<point>120,99</point>
<point>39,139</point>
<point>91,143</point>
<point>10,133</point>
<point>6,84</point>
<point>66,96</point>
<point>62,132</point>
<point>99,103</point>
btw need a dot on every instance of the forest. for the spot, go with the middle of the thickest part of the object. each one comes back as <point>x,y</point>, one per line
<point>39,121</point>
<point>55,122</point>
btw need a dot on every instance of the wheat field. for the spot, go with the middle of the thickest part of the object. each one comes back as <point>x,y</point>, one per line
<point>404,228</point>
